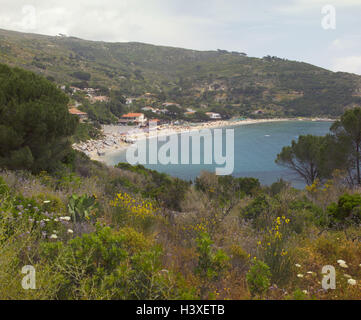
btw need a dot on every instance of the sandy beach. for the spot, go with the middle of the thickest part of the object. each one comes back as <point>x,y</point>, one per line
<point>117,138</point>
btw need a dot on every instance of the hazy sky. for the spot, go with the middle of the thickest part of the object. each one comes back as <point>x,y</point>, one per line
<point>285,28</point>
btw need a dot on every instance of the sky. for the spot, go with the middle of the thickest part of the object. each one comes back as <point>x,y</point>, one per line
<point>326,33</point>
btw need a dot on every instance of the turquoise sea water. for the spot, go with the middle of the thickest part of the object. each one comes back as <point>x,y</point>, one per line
<point>256,147</point>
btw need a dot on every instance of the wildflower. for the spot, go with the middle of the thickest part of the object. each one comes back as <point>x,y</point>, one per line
<point>343,265</point>
<point>53,236</point>
<point>352,282</point>
<point>300,275</point>
<point>164,271</point>
<point>47,201</point>
<point>70,231</point>
<point>298,265</point>
<point>65,218</point>
<point>284,253</point>
<point>305,291</point>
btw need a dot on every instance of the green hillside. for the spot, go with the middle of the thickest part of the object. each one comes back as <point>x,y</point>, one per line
<point>211,80</point>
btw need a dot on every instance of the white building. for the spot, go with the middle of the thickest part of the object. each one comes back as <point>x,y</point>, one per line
<point>137,118</point>
<point>214,116</point>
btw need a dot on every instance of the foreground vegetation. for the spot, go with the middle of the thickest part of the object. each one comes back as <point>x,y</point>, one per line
<point>109,233</point>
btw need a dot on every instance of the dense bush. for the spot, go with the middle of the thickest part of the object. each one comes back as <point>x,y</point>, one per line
<point>348,209</point>
<point>34,122</point>
<point>258,278</point>
<point>167,191</point>
<point>81,75</point>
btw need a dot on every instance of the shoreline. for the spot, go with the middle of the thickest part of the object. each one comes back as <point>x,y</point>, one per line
<point>119,138</point>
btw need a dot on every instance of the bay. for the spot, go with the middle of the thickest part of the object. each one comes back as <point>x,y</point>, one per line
<point>256,147</point>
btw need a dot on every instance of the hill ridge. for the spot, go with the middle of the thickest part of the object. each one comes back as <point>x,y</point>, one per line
<point>230,82</point>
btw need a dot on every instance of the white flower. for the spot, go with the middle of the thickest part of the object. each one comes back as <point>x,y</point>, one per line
<point>47,201</point>
<point>298,265</point>
<point>65,218</point>
<point>56,219</point>
<point>70,231</point>
<point>300,275</point>
<point>305,291</point>
<point>53,236</point>
<point>352,282</point>
<point>343,265</point>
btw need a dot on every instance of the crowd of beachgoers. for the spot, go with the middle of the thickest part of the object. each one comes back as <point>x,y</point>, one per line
<point>118,137</point>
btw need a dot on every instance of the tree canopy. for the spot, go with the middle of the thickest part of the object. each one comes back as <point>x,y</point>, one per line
<point>348,129</point>
<point>313,157</point>
<point>303,157</point>
<point>34,121</point>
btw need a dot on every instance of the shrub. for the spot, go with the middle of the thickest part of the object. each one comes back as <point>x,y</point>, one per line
<point>258,278</point>
<point>106,265</point>
<point>259,212</point>
<point>169,192</point>
<point>273,250</point>
<point>138,213</point>
<point>347,210</point>
<point>82,208</point>
<point>278,186</point>
<point>211,263</point>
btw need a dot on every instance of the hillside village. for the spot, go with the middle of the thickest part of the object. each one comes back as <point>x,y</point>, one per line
<point>162,115</point>
<point>139,116</point>
<point>135,114</point>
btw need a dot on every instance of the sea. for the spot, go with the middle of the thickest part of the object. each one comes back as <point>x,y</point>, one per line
<point>255,149</point>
